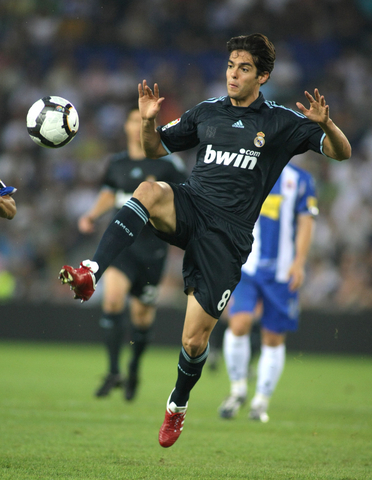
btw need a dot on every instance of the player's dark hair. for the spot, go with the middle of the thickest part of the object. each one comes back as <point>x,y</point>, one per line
<point>259,46</point>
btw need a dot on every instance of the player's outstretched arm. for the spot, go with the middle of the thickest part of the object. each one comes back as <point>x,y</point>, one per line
<point>335,144</point>
<point>105,202</point>
<point>149,104</point>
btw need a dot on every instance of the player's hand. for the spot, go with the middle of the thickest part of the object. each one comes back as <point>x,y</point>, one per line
<point>7,207</point>
<point>318,111</point>
<point>296,276</point>
<point>149,102</point>
<point>86,224</point>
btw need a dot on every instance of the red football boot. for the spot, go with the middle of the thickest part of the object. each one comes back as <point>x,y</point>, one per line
<point>81,280</point>
<point>172,425</point>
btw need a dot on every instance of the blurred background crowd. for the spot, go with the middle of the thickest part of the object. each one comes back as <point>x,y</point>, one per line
<point>95,53</point>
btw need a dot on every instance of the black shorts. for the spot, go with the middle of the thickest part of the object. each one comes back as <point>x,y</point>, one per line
<point>215,250</point>
<point>143,264</point>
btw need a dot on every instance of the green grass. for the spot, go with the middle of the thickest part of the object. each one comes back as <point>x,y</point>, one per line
<point>51,426</point>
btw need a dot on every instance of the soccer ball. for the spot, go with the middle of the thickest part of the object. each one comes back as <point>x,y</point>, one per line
<point>52,122</point>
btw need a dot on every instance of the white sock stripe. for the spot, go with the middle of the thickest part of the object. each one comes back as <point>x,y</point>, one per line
<point>199,359</point>
<point>138,210</point>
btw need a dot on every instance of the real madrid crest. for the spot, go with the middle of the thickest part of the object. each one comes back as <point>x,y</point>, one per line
<point>259,141</point>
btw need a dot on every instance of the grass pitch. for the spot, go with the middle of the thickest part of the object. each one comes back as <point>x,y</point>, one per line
<point>52,427</point>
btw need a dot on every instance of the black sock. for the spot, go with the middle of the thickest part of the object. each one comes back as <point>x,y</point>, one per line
<point>255,339</point>
<point>216,338</point>
<point>113,328</point>
<point>121,233</point>
<point>189,372</point>
<point>139,339</point>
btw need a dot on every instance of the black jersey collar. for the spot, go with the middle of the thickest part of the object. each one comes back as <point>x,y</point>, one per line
<point>256,105</point>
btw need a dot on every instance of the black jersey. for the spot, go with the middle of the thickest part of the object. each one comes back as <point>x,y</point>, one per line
<point>123,175</point>
<point>242,151</point>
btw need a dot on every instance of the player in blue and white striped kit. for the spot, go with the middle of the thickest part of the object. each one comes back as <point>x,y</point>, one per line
<point>271,278</point>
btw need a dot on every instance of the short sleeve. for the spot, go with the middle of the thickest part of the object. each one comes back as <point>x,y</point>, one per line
<point>182,133</point>
<point>306,135</point>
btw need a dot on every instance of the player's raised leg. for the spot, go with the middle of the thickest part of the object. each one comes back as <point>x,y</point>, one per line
<point>153,199</point>
<point>195,347</point>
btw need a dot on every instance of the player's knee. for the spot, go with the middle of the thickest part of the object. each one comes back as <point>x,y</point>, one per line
<point>113,304</point>
<point>272,339</point>
<point>195,345</point>
<point>142,315</point>
<point>149,194</point>
<point>143,319</point>
<point>239,330</point>
<point>240,325</point>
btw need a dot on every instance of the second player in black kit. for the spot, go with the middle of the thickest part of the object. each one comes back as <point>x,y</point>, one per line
<point>243,142</point>
<point>143,262</point>
<point>136,272</point>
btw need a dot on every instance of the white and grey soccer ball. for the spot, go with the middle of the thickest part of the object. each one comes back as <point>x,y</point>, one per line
<point>52,122</point>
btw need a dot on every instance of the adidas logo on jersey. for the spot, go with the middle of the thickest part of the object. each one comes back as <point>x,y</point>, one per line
<point>243,159</point>
<point>238,124</point>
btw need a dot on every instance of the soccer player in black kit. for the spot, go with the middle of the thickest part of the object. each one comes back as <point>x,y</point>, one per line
<point>137,271</point>
<point>244,142</point>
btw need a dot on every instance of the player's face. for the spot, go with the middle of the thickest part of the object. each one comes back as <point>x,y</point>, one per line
<point>243,83</point>
<point>132,126</point>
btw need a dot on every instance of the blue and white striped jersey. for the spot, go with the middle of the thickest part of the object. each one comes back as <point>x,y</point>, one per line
<point>275,230</point>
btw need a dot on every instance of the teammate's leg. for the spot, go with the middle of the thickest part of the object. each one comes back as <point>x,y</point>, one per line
<point>142,318</point>
<point>270,368</point>
<point>196,332</point>
<point>116,288</point>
